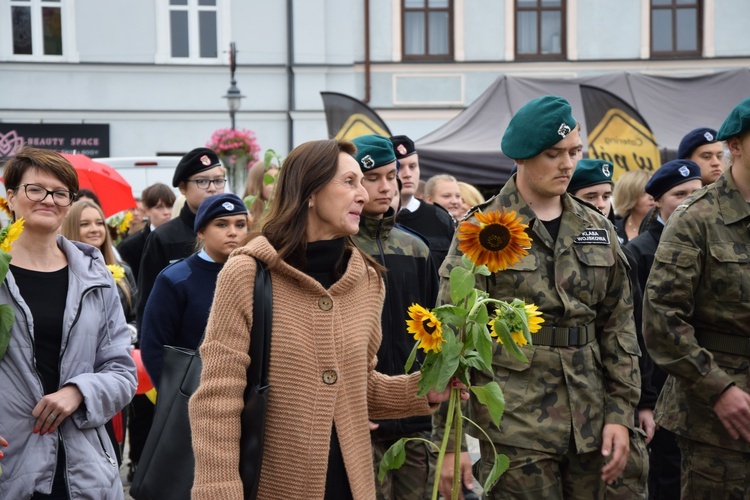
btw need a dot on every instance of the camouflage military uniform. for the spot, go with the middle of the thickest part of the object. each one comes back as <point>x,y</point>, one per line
<point>557,404</point>
<point>411,277</point>
<point>696,323</point>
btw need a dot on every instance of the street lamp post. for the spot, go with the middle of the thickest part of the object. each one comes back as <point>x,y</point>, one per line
<point>233,96</point>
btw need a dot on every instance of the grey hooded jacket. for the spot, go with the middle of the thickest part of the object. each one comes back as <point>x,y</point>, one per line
<point>95,357</point>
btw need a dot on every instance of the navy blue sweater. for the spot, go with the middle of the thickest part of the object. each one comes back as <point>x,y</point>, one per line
<point>177,310</point>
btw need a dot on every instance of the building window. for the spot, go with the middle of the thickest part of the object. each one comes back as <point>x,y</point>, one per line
<point>540,29</point>
<point>36,27</point>
<point>193,29</point>
<point>427,29</point>
<point>675,27</point>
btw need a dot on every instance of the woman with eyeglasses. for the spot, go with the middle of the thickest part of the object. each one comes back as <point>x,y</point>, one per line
<point>68,367</point>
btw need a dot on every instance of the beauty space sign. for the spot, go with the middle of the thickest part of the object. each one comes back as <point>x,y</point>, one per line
<point>89,139</point>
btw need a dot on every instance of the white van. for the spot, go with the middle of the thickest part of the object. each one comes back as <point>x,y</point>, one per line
<point>142,171</point>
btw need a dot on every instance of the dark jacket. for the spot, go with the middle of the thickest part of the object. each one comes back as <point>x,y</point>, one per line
<point>411,277</point>
<point>131,249</point>
<point>168,243</point>
<point>434,223</point>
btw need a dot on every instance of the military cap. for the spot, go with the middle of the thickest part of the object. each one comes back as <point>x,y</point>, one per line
<point>671,174</point>
<point>403,146</point>
<point>590,172</point>
<point>737,122</point>
<point>373,151</point>
<point>695,139</point>
<point>538,125</point>
<point>195,161</point>
<point>218,205</point>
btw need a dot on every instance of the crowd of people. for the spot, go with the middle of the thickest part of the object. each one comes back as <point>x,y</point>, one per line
<point>636,386</point>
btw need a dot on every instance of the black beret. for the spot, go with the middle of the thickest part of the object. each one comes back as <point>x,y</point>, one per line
<point>671,174</point>
<point>373,151</point>
<point>538,125</point>
<point>218,205</point>
<point>590,172</point>
<point>736,123</point>
<point>403,146</point>
<point>195,161</point>
<point>695,139</point>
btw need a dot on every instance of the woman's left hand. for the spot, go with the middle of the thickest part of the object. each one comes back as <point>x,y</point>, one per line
<point>439,397</point>
<point>53,408</point>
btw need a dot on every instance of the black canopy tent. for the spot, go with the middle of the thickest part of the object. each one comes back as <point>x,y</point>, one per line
<point>468,146</point>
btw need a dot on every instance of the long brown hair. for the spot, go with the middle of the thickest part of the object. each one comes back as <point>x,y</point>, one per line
<point>71,229</point>
<point>307,169</point>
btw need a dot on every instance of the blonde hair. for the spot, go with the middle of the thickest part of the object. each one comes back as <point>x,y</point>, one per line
<point>470,194</point>
<point>628,189</point>
<point>431,184</point>
<point>71,229</point>
<point>254,187</point>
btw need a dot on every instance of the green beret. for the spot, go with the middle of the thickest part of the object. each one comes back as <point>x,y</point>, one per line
<point>538,125</point>
<point>737,122</point>
<point>373,151</point>
<point>590,172</point>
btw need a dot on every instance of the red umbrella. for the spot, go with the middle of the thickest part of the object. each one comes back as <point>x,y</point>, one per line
<point>112,189</point>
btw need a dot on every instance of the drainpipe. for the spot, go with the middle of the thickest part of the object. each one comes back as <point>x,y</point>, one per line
<point>367,52</point>
<point>290,70</point>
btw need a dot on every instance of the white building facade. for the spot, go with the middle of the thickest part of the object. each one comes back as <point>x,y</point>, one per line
<point>155,71</point>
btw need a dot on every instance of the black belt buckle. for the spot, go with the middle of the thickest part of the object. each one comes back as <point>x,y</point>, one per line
<point>574,336</point>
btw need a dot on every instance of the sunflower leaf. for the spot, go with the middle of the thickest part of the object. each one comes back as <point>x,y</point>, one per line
<point>393,458</point>
<point>466,262</point>
<point>430,370</point>
<point>410,360</point>
<point>491,396</point>
<point>447,363</point>
<point>7,317</point>
<point>482,316</point>
<point>450,314</point>
<point>484,347</point>
<point>462,283</point>
<point>501,465</point>
<point>508,343</point>
<point>475,361</point>
<point>483,270</point>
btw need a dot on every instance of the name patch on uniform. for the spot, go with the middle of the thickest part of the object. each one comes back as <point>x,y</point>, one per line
<point>593,236</point>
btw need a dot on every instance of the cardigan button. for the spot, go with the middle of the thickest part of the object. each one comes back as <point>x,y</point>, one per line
<point>330,377</point>
<point>325,303</point>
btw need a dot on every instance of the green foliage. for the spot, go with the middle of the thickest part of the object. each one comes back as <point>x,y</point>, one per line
<point>461,283</point>
<point>491,396</point>
<point>7,317</point>
<point>500,466</point>
<point>393,458</point>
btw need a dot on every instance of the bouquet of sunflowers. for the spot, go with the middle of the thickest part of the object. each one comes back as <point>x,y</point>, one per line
<point>464,333</point>
<point>118,226</point>
<point>8,235</point>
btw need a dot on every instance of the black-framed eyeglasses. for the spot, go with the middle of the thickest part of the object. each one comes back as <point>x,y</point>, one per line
<point>37,193</point>
<point>203,183</point>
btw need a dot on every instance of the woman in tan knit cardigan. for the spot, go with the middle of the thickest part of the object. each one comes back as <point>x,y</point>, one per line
<point>327,299</point>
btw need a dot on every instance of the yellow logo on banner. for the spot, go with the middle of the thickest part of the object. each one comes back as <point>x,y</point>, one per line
<point>625,143</point>
<point>358,125</point>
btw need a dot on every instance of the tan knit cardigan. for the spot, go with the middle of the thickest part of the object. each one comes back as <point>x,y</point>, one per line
<point>308,339</point>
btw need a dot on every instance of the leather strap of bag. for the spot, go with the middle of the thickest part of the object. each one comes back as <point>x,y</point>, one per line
<point>260,335</point>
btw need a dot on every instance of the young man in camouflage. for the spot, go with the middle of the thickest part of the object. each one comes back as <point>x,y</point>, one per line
<point>570,408</point>
<point>697,319</point>
<point>411,277</point>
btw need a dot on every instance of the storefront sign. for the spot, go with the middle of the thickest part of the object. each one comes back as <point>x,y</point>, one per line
<point>90,140</point>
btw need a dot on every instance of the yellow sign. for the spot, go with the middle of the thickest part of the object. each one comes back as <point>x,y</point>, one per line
<point>625,143</point>
<point>358,125</point>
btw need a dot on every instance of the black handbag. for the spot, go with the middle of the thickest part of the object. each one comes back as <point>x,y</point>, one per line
<point>167,466</point>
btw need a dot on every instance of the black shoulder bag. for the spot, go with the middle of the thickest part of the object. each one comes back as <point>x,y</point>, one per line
<point>167,467</point>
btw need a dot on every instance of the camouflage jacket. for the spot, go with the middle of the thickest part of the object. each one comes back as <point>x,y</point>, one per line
<point>410,277</point>
<point>700,285</point>
<point>562,392</point>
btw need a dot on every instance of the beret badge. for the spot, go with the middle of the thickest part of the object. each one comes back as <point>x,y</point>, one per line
<point>709,136</point>
<point>605,170</point>
<point>228,206</point>
<point>367,162</point>
<point>205,160</point>
<point>564,130</point>
<point>401,149</point>
<point>684,171</point>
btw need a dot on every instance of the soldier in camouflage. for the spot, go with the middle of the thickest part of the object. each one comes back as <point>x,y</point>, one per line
<point>411,277</point>
<point>570,408</point>
<point>696,318</point>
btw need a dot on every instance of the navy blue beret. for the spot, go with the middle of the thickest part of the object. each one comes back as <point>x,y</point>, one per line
<point>195,161</point>
<point>695,139</point>
<point>218,205</point>
<point>671,174</point>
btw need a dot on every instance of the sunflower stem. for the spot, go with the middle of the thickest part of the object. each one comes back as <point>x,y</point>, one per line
<point>458,437</point>
<point>444,444</point>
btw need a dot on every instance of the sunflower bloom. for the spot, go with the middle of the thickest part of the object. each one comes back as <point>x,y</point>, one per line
<point>11,235</point>
<point>534,317</point>
<point>498,241</point>
<point>125,224</point>
<point>4,206</point>
<point>118,272</point>
<point>426,328</point>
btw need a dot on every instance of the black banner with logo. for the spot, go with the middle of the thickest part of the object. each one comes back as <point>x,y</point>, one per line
<point>87,139</point>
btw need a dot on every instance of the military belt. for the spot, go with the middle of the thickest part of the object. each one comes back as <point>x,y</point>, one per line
<point>729,344</point>
<point>557,336</point>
